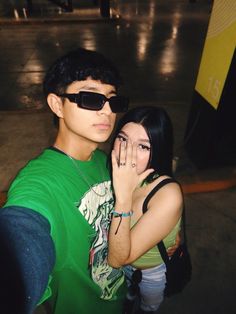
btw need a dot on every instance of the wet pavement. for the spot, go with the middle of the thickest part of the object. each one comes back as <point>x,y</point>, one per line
<point>157,45</point>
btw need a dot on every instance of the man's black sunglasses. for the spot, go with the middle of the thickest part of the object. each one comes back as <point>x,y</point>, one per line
<point>96,101</point>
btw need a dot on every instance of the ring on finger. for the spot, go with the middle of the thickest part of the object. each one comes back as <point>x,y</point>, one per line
<point>133,164</point>
<point>122,163</point>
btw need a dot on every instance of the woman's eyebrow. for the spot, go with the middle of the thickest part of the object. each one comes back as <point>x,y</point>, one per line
<point>123,133</point>
<point>143,140</point>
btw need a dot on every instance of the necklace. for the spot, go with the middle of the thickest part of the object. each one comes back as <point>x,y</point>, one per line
<point>84,177</point>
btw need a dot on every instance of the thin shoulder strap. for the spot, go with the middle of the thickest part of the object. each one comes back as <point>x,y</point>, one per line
<point>154,190</point>
<point>161,245</point>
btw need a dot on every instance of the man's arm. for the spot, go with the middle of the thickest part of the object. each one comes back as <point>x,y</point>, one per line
<point>27,257</point>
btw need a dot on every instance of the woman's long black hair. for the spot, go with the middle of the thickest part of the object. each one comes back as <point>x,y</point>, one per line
<point>158,126</point>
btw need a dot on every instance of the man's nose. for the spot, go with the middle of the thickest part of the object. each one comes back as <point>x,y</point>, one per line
<point>106,109</point>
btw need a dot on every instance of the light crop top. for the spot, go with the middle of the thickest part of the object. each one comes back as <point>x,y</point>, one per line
<point>153,257</point>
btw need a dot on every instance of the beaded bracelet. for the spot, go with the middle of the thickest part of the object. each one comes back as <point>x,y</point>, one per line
<point>121,215</point>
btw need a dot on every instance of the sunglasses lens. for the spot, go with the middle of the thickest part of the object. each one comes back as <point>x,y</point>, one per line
<point>91,101</point>
<point>119,104</point>
<point>95,101</point>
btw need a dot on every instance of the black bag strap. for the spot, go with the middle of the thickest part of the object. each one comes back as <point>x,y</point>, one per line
<point>154,190</point>
<point>161,245</point>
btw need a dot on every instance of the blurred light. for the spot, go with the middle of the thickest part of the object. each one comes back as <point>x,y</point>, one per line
<point>16,14</point>
<point>25,13</point>
<point>174,32</point>
<point>145,35</point>
<point>88,40</point>
<point>142,44</point>
<point>168,58</point>
<point>152,10</point>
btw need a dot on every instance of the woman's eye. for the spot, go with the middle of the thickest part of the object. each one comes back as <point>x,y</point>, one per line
<point>144,147</point>
<point>121,138</point>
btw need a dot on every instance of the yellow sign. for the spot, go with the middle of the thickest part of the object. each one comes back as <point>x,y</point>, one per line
<point>218,51</point>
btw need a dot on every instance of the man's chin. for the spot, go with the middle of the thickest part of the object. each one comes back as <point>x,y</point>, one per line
<point>101,138</point>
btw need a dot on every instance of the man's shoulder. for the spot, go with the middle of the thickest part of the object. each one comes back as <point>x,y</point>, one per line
<point>45,160</point>
<point>36,170</point>
<point>34,183</point>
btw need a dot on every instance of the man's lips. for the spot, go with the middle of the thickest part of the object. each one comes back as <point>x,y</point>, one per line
<point>103,126</point>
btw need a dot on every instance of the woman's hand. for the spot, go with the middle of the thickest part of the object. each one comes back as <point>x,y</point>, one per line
<point>124,172</point>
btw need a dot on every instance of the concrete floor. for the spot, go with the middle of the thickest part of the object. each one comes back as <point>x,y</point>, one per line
<point>157,45</point>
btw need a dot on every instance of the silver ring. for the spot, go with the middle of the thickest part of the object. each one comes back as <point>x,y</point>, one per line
<point>133,165</point>
<point>122,163</point>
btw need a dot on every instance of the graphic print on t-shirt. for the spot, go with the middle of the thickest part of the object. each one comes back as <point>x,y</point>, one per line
<point>97,211</point>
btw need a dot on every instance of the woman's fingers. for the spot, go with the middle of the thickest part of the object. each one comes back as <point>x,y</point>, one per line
<point>171,250</point>
<point>131,154</point>
<point>133,160</point>
<point>122,157</point>
<point>127,154</point>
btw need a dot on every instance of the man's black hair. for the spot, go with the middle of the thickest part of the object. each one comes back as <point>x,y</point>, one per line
<point>79,65</point>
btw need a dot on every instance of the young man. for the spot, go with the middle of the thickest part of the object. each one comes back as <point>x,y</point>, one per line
<point>55,223</point>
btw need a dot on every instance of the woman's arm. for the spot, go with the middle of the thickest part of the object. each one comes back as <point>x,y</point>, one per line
<point>119,242</point>
<point>125,181</point>
<point>164,211</point>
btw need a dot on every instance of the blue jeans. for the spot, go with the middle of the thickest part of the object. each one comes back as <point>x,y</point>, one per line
<point>151,287</point>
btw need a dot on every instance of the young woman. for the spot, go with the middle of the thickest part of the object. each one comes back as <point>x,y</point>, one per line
<point>141,158</point>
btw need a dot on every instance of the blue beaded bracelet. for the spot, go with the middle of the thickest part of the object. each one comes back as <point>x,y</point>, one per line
<point>122,214</point>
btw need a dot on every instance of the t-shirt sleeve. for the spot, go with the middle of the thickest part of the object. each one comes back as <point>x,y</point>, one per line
<point>26,260</point>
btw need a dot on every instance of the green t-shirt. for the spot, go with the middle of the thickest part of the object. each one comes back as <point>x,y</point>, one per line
<point>77,202</point>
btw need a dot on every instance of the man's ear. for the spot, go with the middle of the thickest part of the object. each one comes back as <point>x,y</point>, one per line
<point>56,105</point>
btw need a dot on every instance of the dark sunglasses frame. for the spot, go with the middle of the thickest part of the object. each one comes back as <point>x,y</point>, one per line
<point>95,101</point>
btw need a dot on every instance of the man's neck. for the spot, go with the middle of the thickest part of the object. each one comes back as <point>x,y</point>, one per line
<point>80,150</point>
